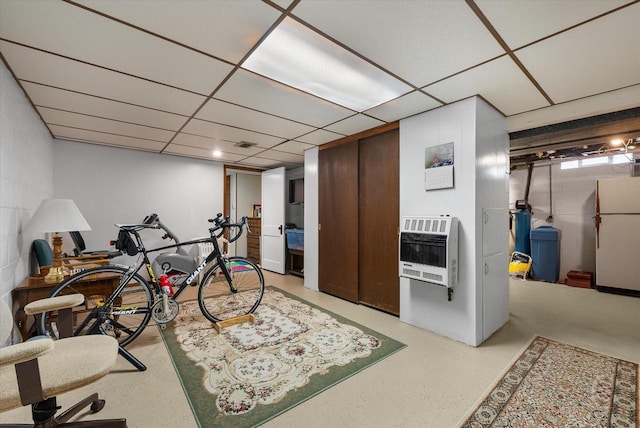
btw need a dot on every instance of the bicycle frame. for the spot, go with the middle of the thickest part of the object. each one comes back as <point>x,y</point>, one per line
<point>105,313</point>
<point>215,254</point>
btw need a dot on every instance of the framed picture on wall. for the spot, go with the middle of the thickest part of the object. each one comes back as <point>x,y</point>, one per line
<point>257,210</point>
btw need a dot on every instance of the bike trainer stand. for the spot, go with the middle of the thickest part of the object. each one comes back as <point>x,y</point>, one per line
<point>233,321</point>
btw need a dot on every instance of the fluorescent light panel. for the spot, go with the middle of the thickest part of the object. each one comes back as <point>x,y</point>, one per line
<point>299,57</point>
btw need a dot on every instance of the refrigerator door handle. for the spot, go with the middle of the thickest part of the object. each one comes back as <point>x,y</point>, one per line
<point>597,220</point>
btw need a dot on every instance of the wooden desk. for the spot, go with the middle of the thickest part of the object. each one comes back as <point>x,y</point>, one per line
<point>34,288</point>
<point>296,269</point>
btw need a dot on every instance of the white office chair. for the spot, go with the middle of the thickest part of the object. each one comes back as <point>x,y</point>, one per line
<point>36,371</point>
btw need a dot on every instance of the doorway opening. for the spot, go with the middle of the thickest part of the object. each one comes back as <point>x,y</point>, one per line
<point>242,194</point>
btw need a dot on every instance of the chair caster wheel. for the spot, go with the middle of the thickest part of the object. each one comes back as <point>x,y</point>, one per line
<point>97,405</point>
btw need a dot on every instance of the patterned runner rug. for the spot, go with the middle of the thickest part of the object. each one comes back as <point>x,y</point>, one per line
<point>552,384</point>
<point>252,372</point>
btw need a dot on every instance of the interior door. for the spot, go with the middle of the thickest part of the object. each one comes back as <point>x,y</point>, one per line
<point>273,242</point>
<point>338,221</point>
<point>379,215</point>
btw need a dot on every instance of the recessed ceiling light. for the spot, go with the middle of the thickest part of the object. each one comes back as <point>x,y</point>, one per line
<point>217,153</point>
<point>297,56</point>
<point>616,142</point>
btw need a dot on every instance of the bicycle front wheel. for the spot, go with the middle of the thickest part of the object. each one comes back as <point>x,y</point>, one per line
<point>124,318</point>
<point>220,300</point>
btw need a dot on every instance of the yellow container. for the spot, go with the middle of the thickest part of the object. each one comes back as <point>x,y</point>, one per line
<point>519,265</point>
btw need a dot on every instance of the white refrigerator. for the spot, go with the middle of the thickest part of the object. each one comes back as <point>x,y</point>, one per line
<point>618,233</point>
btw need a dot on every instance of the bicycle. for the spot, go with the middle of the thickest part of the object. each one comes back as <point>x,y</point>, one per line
<point>119,302</point>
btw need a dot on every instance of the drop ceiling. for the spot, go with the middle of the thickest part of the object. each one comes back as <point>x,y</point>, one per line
<point>168,77</point>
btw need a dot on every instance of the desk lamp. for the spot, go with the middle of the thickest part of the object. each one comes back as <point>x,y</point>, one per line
<point>57,215</point>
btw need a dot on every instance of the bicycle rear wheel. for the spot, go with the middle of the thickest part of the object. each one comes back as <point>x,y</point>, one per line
<point>124,319</point>
<point>215,296</point>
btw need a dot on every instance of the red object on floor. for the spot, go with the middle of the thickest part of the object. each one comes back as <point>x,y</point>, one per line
<point>576,278</point>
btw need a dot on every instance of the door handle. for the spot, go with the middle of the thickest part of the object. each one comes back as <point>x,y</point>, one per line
<point>486,268</point>
<point>280,229</point>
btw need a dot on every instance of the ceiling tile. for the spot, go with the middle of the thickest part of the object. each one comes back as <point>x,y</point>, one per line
<point>230,114</point>
<point>420,41</point>
<point>75,120</point>
<point>201,153</point>
<point>355,124</point>
<point>581,62</point>
<point>321,136</point>
<point>607,102</point>
<point>524,21</point>
<point>57,26</point>
<point>496,81</point>
<point>294,147</point>
<point>229,133</point>
<point>256,92</point>
<point>226,29</point>
<point>105,139</point>
<point>46,96</point>
<point>281,156</point>
<point>589,69</point>
<point>213,144</point>
<point>39,67</point>
<point>405,106</point>
<point>262,163</point>
<point>283,3</point>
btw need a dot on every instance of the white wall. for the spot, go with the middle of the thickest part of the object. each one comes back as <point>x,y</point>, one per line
<point>573,193</point>
<point>26,178</point>
<point>112,185</point>
<point>468,125</point>
<point>311,218</point>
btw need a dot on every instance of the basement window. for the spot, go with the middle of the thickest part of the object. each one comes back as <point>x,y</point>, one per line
<point>601,160</point>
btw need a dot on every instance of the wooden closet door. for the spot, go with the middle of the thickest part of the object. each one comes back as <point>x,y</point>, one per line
<point>338,220</point>
<point>379,285</point>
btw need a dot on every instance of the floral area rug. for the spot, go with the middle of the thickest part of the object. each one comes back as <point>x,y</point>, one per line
<point>552,384</point>
<point>252,372</point>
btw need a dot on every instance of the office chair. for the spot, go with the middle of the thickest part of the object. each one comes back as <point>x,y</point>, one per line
<point>43,255</point>
<point>80,248</point>
<point>36,371</point>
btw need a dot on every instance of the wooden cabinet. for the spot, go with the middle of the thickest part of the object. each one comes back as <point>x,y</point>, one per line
<point>253,239</point>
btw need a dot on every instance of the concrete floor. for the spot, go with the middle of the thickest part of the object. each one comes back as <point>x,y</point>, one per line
<point>433,382</point>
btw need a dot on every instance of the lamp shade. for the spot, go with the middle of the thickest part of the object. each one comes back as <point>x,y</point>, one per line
<point>57,215</point>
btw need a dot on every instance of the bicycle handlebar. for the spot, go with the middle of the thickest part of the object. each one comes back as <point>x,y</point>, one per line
<point>153,222</point>
<point>224,223</point>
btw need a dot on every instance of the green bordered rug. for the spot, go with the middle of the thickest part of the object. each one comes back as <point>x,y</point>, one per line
<point>252,372</point>
<point>552,384</point>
